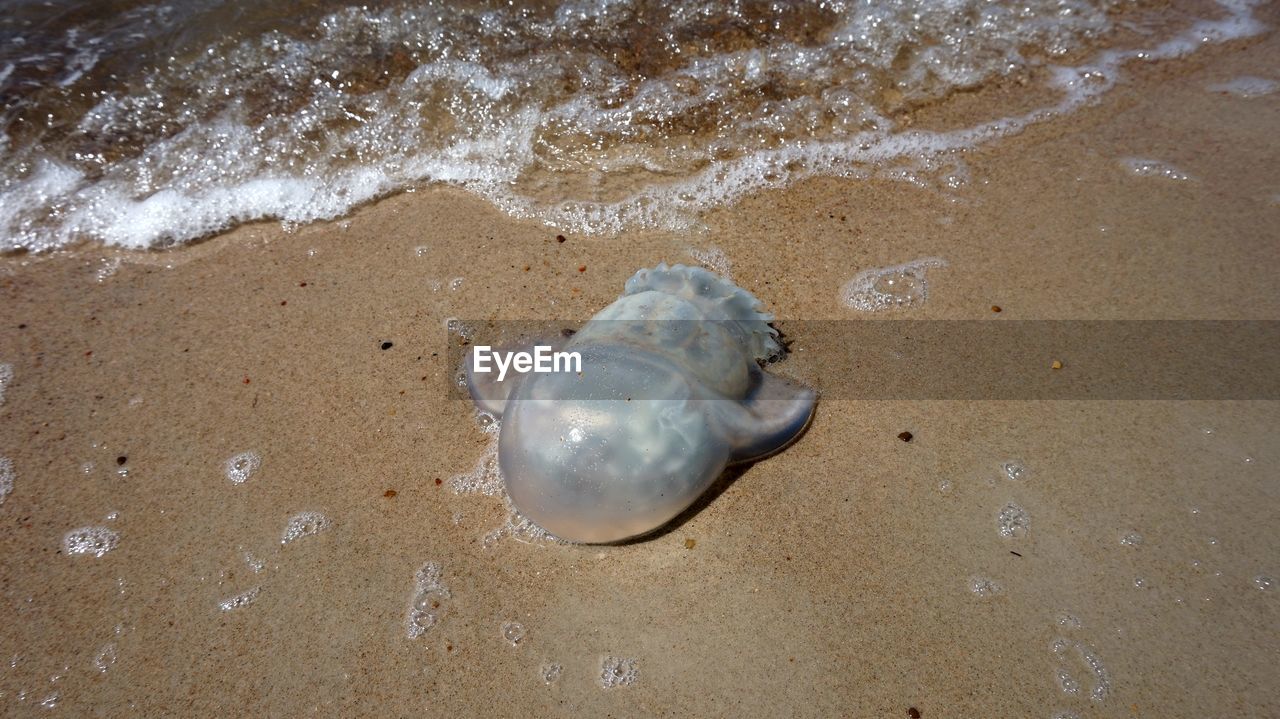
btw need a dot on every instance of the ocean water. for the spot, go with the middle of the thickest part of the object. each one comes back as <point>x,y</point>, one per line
<point>146,124</point>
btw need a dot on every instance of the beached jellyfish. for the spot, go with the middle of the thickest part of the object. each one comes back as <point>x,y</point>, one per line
<point>668,392</point>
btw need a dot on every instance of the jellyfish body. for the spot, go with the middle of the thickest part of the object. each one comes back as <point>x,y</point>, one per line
<point>669,394</point>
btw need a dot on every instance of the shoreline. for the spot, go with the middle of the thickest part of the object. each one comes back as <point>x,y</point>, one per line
<point>837,576</point>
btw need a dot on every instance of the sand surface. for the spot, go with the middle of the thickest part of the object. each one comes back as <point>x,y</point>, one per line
<point>833,579</point>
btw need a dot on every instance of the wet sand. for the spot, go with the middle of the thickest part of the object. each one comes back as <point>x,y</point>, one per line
<point>833,579</point>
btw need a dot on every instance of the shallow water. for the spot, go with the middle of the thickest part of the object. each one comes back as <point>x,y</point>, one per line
<point>146,124</point>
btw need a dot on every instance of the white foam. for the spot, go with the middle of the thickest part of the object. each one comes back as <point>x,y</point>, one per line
<point>1247,86</point>
<point>510,129</point>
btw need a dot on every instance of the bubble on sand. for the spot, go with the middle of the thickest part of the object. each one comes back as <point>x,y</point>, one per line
<point>1066,620</point>
<point>6,378</point>
<point>455,284</point>
<point>944,486</point>
<point>984,587</point>
<point>1155,168</point>
<point>550,673</point>
<point>304,524</point>
<point>1065,715</point>
<point>1013,521</point>
<point>1246,86</point>
<point>714,259</point>
<point>485,477</point>
<point>1131,539</point>
<point>240,600</point>
<point>242,466</point>
<point>90,541</point>
<point>1014,469</point>
<point>487,422</point>
<point>253,562</point>
<point>882,288</point>
<point>429,595</point>
<point>7,475</point>
<point>1101,677</point>
<point>521,529</point>
<point>513,632</point>
<point>105,658</point>
<point>1068,683</point>
<point>618,672</point>
<point>1264,582</point>
<point>1139,582</point>
<point>421,251</point>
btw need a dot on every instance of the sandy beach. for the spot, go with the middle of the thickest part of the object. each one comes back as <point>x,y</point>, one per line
<point>854,574</point>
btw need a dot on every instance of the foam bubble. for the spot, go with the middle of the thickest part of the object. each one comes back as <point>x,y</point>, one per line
<point>6,378</point>
<point>241,467</point>
<point>1013,521</point>
<point>253,562</point>
<point>1265,582</point>
<point>1155,168</point>
<point>984,587</point>
<point>550,673</point>
<point>7,477</point>
<point>1014,469</point>
<point>714,259</point>
<point>1131,539</point>
<point>105,658</point>
<point>881,288</point>
<point>1067,683</point>
<point>429,596</point>
<point>240,600</point>
<point>513,632</point>
<point>618,672</point>
<point>90,541</point>
<point>304,524</point>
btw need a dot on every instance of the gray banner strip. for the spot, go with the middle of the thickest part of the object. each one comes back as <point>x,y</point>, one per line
<point>988,359</point>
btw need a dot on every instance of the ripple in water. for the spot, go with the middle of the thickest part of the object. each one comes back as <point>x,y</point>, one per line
<point>90,541</point>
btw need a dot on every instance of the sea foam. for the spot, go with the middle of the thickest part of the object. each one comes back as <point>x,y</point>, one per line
<point>577,115</point>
